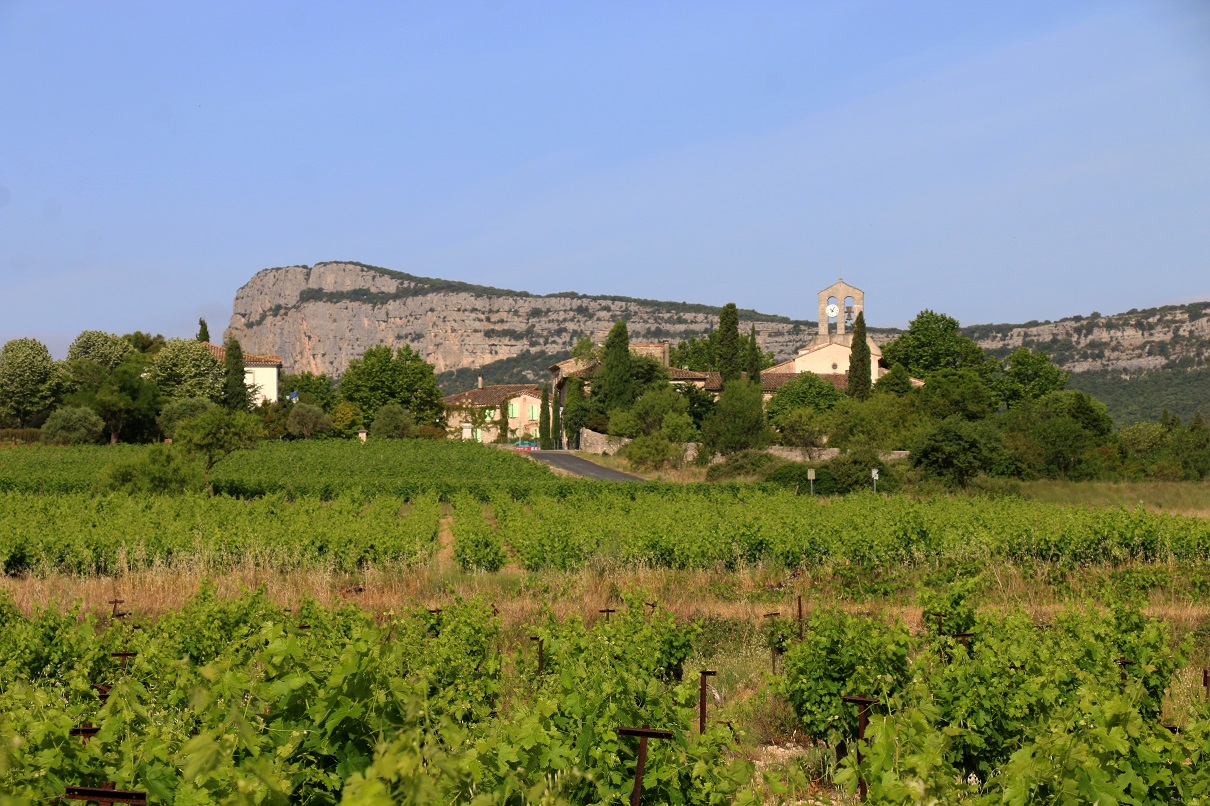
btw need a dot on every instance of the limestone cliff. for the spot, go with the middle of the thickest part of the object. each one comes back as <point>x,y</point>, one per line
<point>319,317</point>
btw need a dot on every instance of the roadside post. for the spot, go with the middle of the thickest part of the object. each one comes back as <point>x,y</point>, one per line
<point>701,700</point>
<point>811,478</point>
<point>874,475</point>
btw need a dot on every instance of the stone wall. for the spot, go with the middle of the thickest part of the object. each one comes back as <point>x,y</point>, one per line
<point>594,442</point>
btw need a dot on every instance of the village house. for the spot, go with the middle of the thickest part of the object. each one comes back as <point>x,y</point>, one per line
<point>474,415</point>
<point>261,373</point>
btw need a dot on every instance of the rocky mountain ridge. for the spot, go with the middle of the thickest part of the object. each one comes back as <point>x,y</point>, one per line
<point>320,317</point>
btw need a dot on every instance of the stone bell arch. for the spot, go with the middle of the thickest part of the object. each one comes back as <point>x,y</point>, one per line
<point>849,301</point>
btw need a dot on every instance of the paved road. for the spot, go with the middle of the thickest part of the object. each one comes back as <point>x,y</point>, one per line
<point>581,467</point>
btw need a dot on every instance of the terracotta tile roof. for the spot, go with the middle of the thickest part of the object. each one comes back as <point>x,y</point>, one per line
<point>493,395</point>
<point>772,381</point>
<point>784,366</point>
<point>250,360</point>
<point>679,374</point>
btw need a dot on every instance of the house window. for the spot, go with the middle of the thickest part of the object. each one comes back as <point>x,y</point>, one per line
<point>478,435</point>
<point>533,412</point>
<point>513,410</point>
<point>489,414</point>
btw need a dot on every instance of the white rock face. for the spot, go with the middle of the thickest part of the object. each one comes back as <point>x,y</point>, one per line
<point>319,318</point>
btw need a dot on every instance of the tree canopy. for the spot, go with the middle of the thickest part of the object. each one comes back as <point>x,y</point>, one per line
<point>106,349</point>
<point>932,343</point>
<point>383,376</point>
<point>186,368</point>
<point>31,382</point>
<point>612,385</point>
<point>807,391</point>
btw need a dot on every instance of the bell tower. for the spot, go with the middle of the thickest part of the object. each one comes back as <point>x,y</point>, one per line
<point>839,303</point>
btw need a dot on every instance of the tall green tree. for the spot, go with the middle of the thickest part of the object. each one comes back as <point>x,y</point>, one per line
<point>502,423</point>
<point>859,381</point>
<point>1029,375</point>
<point>727,349</point>
<point>384,376</point>
<point>236,394</point>
<point>752,356</point>
<point>125,399</point>
<point>203,332</point>
<point>556,422</point>
<point>186,368</point>
<point>31,383</point>
<point>216,434</point>
<point>575,411</point>
<point>612,385</point>
<point>932,342</point>
<point>544,439</point>
<point>106,349</point>
<point>739,419</point>
<point>313,389</point>
<point>806,391</point>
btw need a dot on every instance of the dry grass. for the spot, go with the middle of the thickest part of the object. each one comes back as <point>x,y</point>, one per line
<point>1172,497</point>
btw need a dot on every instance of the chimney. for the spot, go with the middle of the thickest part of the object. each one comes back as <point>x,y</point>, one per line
<point>480,381</point>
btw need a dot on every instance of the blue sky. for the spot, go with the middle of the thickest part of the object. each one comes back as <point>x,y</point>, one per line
<point>1000,162</point>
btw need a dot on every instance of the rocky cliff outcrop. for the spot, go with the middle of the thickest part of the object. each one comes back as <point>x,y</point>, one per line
<point>1129,343</point>
<point>319,317</point>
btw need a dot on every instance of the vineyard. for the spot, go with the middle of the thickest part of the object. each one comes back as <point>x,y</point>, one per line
<point>644,526</point>
<point>238,701</point>
<point>490,633</point>
<point>323,468</point>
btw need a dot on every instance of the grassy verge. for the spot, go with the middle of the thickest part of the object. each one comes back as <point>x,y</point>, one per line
<point>1176,497</point>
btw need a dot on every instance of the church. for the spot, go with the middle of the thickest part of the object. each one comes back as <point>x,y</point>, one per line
<point>828,353</point>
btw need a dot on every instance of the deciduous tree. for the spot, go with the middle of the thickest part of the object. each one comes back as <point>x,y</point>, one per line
<point>806,391</point>
<point>215,434</point>
<point>31,383</point>
<point>186,368</point>
<point>932,342</point>
<point>105,349</point>
<point>122,396</point>
<point>381,376</point>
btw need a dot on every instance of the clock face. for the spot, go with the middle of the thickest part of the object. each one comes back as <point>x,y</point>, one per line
<point>833,309</point>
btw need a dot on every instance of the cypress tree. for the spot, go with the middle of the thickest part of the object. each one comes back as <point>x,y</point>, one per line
<point>574,412</point>
<point>556,423</point>
<point>612,386</point>
<point>729,366</point>
<point>544,440</point>
<point>859,362</point>
<point>752,359</point>
<point>502,423</point>
<point>203,332</point>
<point>235,389</point>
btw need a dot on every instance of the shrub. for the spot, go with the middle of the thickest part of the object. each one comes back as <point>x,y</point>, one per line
<point>179,410</point>
<point>393,421</point>
<point>72,425</point>
<point>307,421</point>
<point>746,463</point>
<point>649,450</point>
<point>160,470</point>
